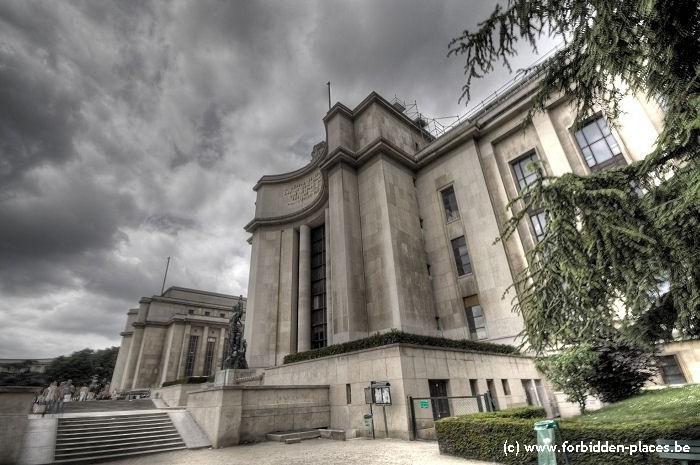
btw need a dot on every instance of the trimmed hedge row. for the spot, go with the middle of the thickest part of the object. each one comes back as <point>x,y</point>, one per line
<point>394,336</point>
<point>188,380</point>
<point>482,437</point>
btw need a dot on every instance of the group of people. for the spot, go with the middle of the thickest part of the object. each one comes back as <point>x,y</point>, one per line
<point>51,399</point>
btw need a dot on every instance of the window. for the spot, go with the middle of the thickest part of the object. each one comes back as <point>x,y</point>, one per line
<point>438,394</point>
<point>524,170</point>
<point>449,201</point>
<point>191,354</point>
<point>506,387</point>
<point>190,311</point>
<point>318,288</point>
<point>530,394</point>
<point>538,221</point>
<point>207,313</point>
<point>474,386</point>
<point>491,388</point>
<point>459,247</point>
<point>670,371</point>
<point>209,356</point>
<point>598,145</point>
<point>348,394</point>
<point>476,322</point>
<point>222,315</point>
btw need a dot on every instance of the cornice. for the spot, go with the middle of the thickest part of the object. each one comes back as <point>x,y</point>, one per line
<point>292,217</point>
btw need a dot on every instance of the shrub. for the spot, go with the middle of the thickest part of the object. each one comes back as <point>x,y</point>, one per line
<point>393,337</point>
<point>621,370</point>
<point>482,436</point>
<point>571,371</point>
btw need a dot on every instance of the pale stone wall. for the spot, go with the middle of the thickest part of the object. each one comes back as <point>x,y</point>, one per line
<point>15,404</point>
<point>345,282</point>
<point>407,368</point>
<point>231,415</point>
<point>688,357</point>
<point>175,395</point>
<point>385,223</point>
<point>156,336</point>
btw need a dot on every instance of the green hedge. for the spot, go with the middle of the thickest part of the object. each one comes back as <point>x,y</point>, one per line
<point>481,436</point>
<point>189,380</point>
<point>394,336</point>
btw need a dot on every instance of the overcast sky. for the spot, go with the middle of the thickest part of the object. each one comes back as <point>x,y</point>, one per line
<point>131,131</point>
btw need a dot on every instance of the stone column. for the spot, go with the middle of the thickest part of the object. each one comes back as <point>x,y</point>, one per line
<point>304,318</point>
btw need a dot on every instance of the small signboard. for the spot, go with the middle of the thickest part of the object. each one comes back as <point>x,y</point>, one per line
<point>423,404</point>
<point>381,392</point>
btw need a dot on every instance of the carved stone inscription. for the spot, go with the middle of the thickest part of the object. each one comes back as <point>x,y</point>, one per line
<point>303,190</point>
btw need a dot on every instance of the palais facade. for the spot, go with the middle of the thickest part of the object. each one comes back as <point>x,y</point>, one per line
<point>178,334</point>
<point>390,227</point>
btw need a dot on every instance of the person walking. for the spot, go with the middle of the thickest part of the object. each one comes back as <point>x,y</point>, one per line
<point>50,395</point>
<point>83,393</point>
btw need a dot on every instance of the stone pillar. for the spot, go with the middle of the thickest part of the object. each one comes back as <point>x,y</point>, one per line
<point>130,369</point>
<point>183,351</point>
<point>304,315</point>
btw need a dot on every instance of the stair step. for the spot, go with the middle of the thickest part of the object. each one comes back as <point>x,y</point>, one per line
<point>115,427</point>
<point>63,450</point>
<point>115,456</point>
<point>129,434</point>
<point>107,421</point>
<point>138,448</point>
<point>93,439</point>
<point>128,416</point>
<point>124,440</point>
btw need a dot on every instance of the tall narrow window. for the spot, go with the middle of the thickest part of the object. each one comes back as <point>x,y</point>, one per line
<point>476,322</point>
<point>438,394</point>
<point>459,248</point>
<point>670,371</point>
<point>318,288</point>
<point>449,201</point>
<point>524,170</point>
<point>506,387</point>
<point>474,386</point>
<point>538,221</point>
<point>191,354</point>
<point>209,356</point>
<point>598,145</point>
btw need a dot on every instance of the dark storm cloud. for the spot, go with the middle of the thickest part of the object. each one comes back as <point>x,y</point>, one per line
<point>132,131</point>
<point>38,120</point>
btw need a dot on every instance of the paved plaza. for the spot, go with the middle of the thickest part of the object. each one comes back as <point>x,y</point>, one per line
<point>314,451</point>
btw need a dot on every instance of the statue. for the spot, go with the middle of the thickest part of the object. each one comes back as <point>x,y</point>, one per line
<point>235,352</point>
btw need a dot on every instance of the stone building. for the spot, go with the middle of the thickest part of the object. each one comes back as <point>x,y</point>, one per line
<point>171,336</point>
<point>390,226</point>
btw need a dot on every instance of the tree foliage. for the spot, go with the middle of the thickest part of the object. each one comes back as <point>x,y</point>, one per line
<point>621,370</point>
<point>82,365</point>
<point>570,371</point>
<point>621,249</point>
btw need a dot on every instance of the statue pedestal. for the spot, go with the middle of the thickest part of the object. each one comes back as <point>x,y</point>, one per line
<point>229,376</point>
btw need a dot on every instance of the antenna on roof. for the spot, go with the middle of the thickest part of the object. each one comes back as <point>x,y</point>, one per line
<point>162,289</point>
<point>329,95</point>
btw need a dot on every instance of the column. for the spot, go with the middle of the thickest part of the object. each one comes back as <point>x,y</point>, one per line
<point>304,315</point>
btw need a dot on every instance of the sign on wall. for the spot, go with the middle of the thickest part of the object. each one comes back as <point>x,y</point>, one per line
<point>381,393</point>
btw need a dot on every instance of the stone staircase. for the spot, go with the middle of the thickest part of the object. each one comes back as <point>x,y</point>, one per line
<point>97,438</point>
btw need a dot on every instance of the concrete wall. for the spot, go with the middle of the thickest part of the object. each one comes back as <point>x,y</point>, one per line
<point>175,395</point>
<point>407,368</point>
<point>687,356</point>
<point>156,336</point>
<point>15,405</point>
<point>232,415</point>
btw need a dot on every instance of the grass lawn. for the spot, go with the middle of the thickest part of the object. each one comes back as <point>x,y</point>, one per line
<point>663,404</point>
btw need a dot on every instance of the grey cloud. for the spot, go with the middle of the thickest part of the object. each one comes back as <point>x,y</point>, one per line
<point>39,119</point>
